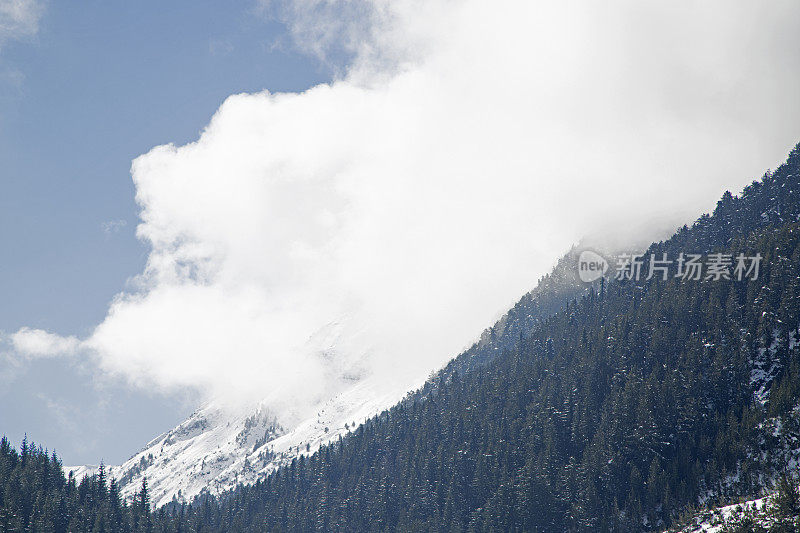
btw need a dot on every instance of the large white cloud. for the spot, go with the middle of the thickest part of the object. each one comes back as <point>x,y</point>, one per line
<point>394,213</point>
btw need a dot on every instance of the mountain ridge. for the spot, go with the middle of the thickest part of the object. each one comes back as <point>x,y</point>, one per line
<point>167,458</point>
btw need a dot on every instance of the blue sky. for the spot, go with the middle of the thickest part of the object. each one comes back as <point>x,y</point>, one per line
<point>98,84</point>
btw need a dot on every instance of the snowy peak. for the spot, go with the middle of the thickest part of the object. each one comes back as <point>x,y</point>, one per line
<point>214,449</point>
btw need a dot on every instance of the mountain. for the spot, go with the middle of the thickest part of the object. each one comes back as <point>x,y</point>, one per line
<point>620,412</point>
<point>219,447</point>
<point>624,409</point>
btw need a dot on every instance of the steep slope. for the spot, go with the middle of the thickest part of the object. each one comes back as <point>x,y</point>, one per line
<point>217,447</point>
<point>619,412</point>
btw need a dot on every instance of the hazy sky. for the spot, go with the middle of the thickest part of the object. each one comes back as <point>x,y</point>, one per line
<point>413,168</point>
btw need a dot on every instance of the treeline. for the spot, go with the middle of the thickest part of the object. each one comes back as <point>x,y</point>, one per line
<point>35,496</point>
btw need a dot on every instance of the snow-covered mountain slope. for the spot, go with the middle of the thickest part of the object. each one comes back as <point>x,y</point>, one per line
<point>760,514</point>
<point>714,520</point>
<point>230,441</point>
<point>217,448</point>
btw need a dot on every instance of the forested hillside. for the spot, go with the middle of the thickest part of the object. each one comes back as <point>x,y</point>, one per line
<point>616,413</point>
<point>619,412</point>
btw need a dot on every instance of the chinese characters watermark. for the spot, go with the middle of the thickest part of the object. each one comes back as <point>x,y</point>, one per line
<point>693,267</point>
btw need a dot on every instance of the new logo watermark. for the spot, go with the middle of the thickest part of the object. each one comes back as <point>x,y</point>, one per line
<point>686,266</point>
<point>591,266</point>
